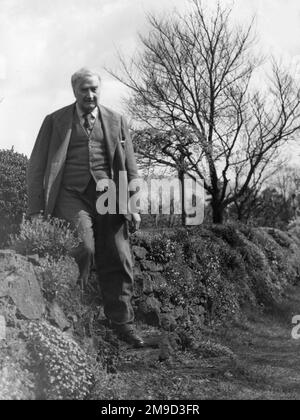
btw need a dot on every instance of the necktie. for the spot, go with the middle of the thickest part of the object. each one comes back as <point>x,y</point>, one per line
<point>87,122</point>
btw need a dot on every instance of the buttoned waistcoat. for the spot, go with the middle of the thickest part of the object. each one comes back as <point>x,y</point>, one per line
<point>86,157</point>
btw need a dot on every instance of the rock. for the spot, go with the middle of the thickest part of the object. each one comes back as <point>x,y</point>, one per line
<point>164,350</point>
<point>34,259</point>
<point>57,317</point>
<point>168,322</point>
<point>138,285</point>
<point>137,271</point>
<point>143,284</point>
<point>158,281</point>
<point>45,277</point>
<point>139,252</point>
<point>9,311</point>
<point>153,303</point>
<point>18,281</point>
<point>166,347</point>
<point>147,285</point>
<point>178,312</point>
<point>149,311</point>
<point>152,266</point>
<point>3,287</point>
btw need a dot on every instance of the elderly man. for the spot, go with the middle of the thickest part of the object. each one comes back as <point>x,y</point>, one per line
<point>78,146</point>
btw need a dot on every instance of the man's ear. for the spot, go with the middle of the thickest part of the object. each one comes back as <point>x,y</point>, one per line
<point>74,88</point>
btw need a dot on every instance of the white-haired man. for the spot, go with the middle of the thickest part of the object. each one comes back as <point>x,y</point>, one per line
<point>78,146</point>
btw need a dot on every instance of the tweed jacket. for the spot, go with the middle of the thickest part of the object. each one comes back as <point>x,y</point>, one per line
<point>46,164</point>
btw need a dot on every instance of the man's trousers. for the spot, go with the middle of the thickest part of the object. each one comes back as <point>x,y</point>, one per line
<point>104,238</point>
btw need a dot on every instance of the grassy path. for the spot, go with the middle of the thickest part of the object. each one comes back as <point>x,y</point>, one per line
<point>266,364</point>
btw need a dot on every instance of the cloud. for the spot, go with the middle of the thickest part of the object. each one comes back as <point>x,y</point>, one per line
<point>42,42</point>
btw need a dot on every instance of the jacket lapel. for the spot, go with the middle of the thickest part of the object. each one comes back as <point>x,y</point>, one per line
<point>111,129</point>
<point>63,127</point>
<point>63,124</point>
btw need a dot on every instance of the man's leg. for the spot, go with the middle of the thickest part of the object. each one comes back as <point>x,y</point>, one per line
<point>74,210</point>
<point>114,266</point>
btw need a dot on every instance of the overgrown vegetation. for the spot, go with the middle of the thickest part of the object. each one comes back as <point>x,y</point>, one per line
<point>205,277</point>
<point>13,196</point>
<point>224,267</point>
<point>63,368</point>
<point>49,237</point>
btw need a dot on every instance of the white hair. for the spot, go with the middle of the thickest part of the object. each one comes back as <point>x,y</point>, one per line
<point>82,74</point>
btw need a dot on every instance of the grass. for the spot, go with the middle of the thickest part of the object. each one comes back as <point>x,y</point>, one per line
<point>255,359</point>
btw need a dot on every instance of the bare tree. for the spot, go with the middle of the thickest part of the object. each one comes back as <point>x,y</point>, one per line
<point>196,107</point>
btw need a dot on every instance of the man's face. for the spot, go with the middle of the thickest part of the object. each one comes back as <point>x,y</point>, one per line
<point>87,93</point>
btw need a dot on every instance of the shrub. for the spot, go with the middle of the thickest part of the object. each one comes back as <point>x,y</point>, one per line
<point>161,249</point>
<point>282,238</point>
<point>228,233</point>
<point>13,196</point>
<point>63,368</point>
<point>58,281</point>
<point>51,237</point>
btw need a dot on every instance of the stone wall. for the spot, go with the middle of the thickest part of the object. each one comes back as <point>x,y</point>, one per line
<point>186,280</point>
<point>39,358</point>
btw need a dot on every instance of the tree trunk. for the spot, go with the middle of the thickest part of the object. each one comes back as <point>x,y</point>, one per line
<point>218,213</point>
<point>183,214</point>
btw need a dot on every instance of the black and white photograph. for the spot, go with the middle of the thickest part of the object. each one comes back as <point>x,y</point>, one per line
<point>149,203</point>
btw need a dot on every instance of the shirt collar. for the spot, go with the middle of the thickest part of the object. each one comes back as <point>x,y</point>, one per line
<point>80,113</point>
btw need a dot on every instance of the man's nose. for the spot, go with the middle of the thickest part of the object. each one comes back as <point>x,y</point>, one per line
<point>90,94</point>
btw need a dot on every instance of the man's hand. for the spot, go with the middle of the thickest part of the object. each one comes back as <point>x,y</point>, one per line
<point>135,223</point>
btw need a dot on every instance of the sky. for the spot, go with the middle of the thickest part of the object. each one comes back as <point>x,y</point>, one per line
<point>43,42</point>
